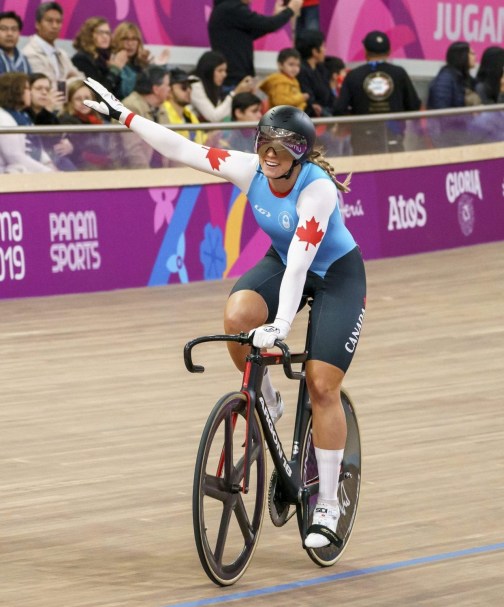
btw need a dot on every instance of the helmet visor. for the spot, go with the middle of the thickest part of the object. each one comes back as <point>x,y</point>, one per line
<point>294,143</point>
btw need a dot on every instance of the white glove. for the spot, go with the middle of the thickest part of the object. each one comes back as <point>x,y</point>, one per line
<point>264,337</point>
<point>107,104</point>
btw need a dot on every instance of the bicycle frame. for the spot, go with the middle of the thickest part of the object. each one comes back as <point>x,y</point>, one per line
<point>289,470</point>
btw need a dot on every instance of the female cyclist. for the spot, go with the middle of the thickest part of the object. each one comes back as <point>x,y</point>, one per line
<point>294,196</point>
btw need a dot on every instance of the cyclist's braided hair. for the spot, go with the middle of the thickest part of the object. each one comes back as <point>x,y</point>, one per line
<point>317,157</point>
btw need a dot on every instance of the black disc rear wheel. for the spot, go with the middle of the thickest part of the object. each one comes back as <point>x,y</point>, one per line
<point>348,490</point>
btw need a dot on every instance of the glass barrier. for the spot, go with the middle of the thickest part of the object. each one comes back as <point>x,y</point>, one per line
<point>112,147</point>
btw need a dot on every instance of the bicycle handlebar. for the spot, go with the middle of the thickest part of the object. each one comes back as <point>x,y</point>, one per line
<point>245,340</point>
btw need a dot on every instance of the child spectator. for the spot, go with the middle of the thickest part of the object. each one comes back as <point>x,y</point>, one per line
<point>246,107</point>
<point>282,87</point>
<point>336,71</point>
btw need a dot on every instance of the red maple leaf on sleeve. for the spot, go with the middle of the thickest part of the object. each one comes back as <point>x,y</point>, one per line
<point>310,234</point>
<point>216,156</point>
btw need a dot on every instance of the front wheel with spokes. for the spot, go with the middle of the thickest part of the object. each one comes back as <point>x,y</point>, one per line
<point>348,489</point>
<point>227,522</point>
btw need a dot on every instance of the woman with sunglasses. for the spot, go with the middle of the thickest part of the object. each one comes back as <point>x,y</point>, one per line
<point>295,199</point>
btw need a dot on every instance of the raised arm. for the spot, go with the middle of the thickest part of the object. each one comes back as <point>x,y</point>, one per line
<point>237,167</point>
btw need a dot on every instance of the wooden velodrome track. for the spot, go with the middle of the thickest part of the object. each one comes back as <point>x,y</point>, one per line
<point>100,424</point>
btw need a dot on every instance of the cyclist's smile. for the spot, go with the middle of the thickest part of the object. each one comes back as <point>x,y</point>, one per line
<point>275,160</point>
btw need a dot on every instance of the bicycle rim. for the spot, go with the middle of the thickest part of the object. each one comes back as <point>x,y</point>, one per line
<point>227,523</point>
<point>349,486</point>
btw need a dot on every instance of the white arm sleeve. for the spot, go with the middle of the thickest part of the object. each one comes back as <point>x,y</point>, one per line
<point>237,167</point>
<point>315,206</point>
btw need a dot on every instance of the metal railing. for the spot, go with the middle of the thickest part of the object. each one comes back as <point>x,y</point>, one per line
<point>338,135</point>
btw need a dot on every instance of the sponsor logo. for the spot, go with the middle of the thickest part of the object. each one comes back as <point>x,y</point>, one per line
<point>463,182</point>
<point>470,22</point>
<point>12,258</point>
<point>465,213</point>
<point>286,221</point>
<point>407,213</point>
<point>262,211</point>
<point>307,450</point>
<point>353,339</point>
<point>352,210</point>
<point>274,436</point>
<point>462,187</point>
<point>74,238</point>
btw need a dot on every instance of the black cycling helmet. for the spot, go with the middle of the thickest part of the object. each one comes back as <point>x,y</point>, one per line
<point>288,126</point>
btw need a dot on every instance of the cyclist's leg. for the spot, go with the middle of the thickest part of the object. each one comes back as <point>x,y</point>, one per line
<point>253,301</point>
<point>329,423</point>
<point>337,316</point>
<point>244,311</point>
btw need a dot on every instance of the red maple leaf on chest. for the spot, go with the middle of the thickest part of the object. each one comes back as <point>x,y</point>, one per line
<point>215,157</point>
<point>310,234</point>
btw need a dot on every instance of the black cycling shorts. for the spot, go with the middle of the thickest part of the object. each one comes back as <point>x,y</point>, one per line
<point>339,301</point>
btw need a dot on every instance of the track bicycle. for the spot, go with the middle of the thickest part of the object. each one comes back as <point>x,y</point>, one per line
<point>230,479</point>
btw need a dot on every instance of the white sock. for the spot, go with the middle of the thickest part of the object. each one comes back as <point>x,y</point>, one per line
<point>328,463</point>
<point>267,389</point>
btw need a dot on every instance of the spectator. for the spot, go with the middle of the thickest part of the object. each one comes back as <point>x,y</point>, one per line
<point>490,88</point>
<point>127,35</point>
<point>309,19</point>
<point>490,76</point>
<point>11,60</point>
<point>44,101</point>
<point>178,102</point>
<point>41,111</point>
<point>313,76</point>
<point>373,88</point>
<point>282,87</point>
<point>41,50</point>
<point>93,150</point>
<point>246,107</point>
<point>208,98</point>
<point>147,100</point>
<point>454,87</point>
<point>18,154</point>
<point>336,70</point>
<point>94,57</point>
<point>233,27</point>
<point>335,139</point>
